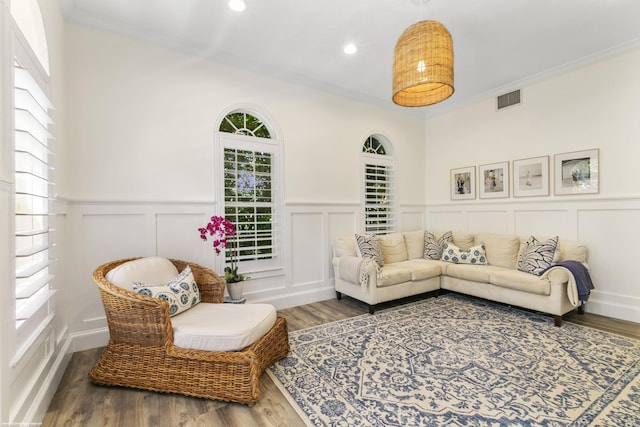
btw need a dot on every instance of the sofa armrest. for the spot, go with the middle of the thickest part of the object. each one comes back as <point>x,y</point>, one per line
<point>560,275</point>
<point>347,268</point>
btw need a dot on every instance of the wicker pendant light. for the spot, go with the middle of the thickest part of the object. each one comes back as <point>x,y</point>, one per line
<point>423,65</point>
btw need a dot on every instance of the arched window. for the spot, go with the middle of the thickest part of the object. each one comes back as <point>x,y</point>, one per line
<point>243,123</point>
<point>250,188</point>
<point>374,146</point>
<point>378,202</point>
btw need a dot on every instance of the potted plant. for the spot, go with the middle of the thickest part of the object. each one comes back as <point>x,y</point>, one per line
<point>223,233</point>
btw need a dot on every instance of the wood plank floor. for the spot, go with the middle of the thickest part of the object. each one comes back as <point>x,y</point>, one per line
<point>78,402</point>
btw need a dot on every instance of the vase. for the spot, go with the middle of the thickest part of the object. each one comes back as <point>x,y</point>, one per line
<point>235,290</point>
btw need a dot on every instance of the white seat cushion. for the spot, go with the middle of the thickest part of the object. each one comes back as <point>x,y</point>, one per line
<point>393,274</point>
<point>222,327</point>
<point>149,270</point>
<point>422,270</point>
<point>520,281</point>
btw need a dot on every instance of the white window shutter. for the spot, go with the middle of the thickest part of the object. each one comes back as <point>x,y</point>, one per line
<point>32,191</point>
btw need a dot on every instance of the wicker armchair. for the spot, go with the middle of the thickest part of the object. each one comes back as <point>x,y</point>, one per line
<point>141,354</point>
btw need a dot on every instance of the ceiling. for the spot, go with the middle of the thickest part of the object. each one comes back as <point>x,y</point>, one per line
<point>498,44</point>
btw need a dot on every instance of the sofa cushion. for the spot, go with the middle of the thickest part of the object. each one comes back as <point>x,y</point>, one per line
<point>502,250</point>
<point>181,292</point>
<point>422,270</point>
<point>393,274</point>
<point>570,250</point>
<point>473,255</point>
<point>393,247</point>
<point>520,281</point>
<point>433,247</point>
<point>152,270</point>
<point>537,256</point>
<point>222,327</point>
<point>368,247</point>
<point>475,273</point>
<point>463,240</point>
<point>414,240</point>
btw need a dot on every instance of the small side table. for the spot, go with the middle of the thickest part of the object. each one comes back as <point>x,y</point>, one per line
<point>228,300</point>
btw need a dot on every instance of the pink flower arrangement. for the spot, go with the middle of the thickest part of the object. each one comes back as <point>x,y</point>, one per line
<point>223,232</point>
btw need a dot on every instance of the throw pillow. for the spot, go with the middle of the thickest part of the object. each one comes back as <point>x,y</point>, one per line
<point>473,255</point>
<point>537,256</point>
<point>181,293</point>
<point>368,247</point>
<point>433,247</point>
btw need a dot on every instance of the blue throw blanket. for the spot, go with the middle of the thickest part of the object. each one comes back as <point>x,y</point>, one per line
<point>581,274</point>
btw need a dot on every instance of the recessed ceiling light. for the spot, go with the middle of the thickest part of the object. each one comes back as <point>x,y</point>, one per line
<point>350,49</point>
<point>237,5</point>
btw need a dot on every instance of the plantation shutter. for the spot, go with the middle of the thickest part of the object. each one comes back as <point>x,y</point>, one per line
<point>32,189</point>
<point>249,202</point>
<point>378,198</point>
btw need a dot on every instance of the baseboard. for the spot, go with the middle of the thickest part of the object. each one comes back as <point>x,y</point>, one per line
<point>609,305</point>
<point>87,340</point>
<point>300,298</point>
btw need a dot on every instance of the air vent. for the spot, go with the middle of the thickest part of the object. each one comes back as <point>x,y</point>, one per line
<point>509,99</point>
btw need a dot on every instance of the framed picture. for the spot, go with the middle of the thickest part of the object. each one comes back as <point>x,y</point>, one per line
<point>463,183</point>
<point>494,180</point>
<point>531,177</point>
<point>577,172</point>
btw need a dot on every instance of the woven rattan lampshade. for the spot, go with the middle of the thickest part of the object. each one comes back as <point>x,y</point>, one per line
<point>423,65</point>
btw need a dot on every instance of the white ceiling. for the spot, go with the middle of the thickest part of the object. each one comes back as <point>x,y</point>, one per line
<point>498,44</point>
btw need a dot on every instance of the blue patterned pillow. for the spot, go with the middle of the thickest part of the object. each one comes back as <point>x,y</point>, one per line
<point>181,293</point>
<point>433,247</point>
<point>537,256</point>
<point>368,247</point>
<point>473,255</point>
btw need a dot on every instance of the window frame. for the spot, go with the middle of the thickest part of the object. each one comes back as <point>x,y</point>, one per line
<point>379,160</point>
<point>225,140</point>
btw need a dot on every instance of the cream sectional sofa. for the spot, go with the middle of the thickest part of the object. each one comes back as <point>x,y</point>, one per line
<point>406,273</point>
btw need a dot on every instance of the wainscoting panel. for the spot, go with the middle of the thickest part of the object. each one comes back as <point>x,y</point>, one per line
<point>490,221</point>
<point>61,270</point>
<point>543,223</point>
<point>103,238</point>
<point>113,236</point>
<point>105,231</point>
<point>608,227</point>
<point>176,233</point>
<point>444,220</point>
<point>612,237</point>
<point>340,224</point>
<point>307,259</point>
<point>411,219</point>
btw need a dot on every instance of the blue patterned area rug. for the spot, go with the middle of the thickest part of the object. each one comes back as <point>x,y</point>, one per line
<point>458,361</point>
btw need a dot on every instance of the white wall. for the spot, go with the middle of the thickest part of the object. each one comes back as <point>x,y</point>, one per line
<point>142,172</point>
<point>145,117</point>
<point>593,106</point>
